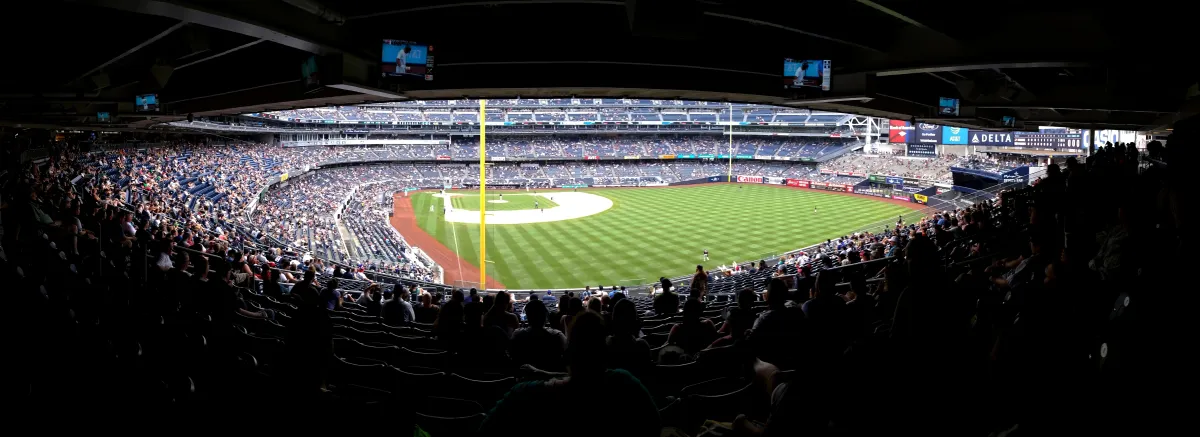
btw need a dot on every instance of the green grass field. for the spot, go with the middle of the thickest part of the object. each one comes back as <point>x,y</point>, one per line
<point>656,232</point>
<point>511,202</point>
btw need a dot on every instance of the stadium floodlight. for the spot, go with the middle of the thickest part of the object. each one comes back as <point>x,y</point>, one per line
<point>363,89</point>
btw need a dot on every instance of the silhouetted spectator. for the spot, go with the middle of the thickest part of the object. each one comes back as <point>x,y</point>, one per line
<point>538,345</point>
<point>589,383</point>
<point>397,311</point>
<point>694,333</point>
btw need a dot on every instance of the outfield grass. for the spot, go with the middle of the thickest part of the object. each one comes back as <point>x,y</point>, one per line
<point>656,232</point>
<point>512,201</point>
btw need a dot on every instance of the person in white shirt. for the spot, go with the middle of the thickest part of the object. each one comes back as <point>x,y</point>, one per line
<point>402,59</point>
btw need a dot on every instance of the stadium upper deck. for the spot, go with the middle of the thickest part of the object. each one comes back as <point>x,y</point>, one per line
<point>562,111</point>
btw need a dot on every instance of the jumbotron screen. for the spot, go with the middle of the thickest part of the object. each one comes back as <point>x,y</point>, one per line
<point>406,59</point>
<point>806,73</point>
<point>146,103</point>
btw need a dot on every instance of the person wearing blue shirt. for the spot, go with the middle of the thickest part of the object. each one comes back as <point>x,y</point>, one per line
<point>549,299</point>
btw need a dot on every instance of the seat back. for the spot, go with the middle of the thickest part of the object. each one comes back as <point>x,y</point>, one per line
<point>450,426</point>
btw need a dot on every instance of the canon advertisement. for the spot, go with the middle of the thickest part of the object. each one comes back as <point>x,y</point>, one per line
<point>750,179</point>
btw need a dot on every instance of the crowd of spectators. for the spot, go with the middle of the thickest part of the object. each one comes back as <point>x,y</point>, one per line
<point>934,169</point>
<point>1032,314</point>
<point>504,110</point>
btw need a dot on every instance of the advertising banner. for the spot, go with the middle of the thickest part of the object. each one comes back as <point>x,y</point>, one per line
<point>904,198</point>
<point>704,156</point>
<point>499,158</point>
<point>750,179</point>
<point>928,133</point>
<point>714,179</point>
<point>632,157</point>
<point>666,156</point>
<point>741,156</point>
<point>835,135</point>
<point>443,158</point>
<point>781,158</point>
<point>848,188</point>
<point>857,175</point>
<point>923,150</point>
<point>824,171</point>
<point>892,180</point>
<point>530,165</point>
<point>796,183</point>
<point>283,177</point>
<point>984,138</point>
<point>1016,175</point>
<point>921,198</point>
<point>763,157</point>
<point>818,184</point>
<point>686,156</point>
<point>954,135</point>
<point>774,180</point>
<point>899,131</point>
<point>591,157</point>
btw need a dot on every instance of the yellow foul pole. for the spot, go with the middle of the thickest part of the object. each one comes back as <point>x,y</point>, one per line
<point>730,176</point>
<point>482,194</point>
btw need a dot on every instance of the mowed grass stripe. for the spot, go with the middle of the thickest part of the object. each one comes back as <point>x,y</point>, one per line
<point>661,232</point>
<point>553,269</point>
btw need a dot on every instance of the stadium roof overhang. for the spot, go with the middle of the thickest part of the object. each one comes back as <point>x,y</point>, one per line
<point>1070,64</point>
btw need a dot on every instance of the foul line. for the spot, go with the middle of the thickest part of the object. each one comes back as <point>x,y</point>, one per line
<point>454,232</point>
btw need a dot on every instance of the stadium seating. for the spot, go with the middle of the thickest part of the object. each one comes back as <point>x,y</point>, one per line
<point>978,301</point>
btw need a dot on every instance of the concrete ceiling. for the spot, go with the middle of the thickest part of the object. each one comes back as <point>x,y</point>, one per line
<point>1067,63</point>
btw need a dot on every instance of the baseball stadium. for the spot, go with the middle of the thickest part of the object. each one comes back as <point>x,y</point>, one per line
<point>223,213</point>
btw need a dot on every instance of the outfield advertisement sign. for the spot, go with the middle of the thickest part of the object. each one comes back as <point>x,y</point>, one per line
<point>921,198</point>
<point>775,180</point>
<point>750,179</point>
<point>824,171</point>
<point>796,183</point>
<point>904,198</point>
<point>704,156</point>
<point>591,157</point>
<point>632,157</point>
<point>984,138</point>
<point>741,156</point>
<point>666,156</point>
<point>954,135</point>
<point>686,156</point>
<point>443,158</point>
<point>928,133</point>
<point>892,180</point>
<point>763,157</point>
